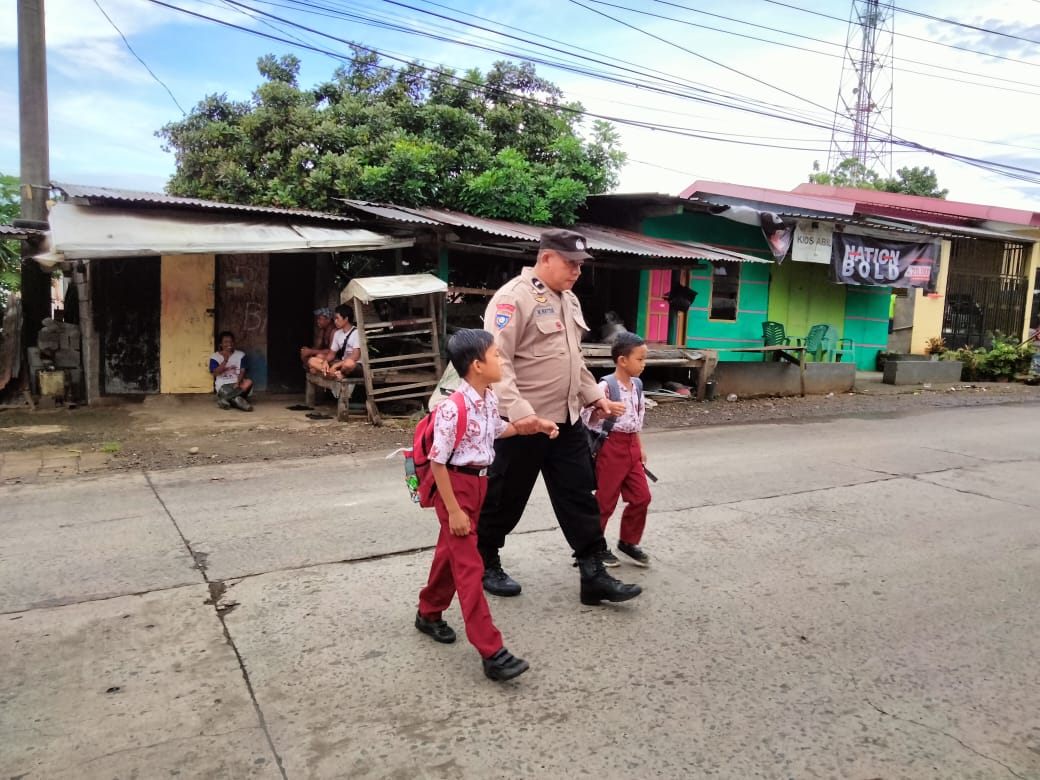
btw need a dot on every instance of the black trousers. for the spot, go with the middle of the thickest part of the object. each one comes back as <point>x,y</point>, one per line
<point>566,466</point>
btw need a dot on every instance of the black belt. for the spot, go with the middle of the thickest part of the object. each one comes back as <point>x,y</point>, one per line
<point>473,471</point>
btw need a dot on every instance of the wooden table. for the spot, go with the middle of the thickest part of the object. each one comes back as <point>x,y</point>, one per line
<point>795,355</point>
<point>705,360</point>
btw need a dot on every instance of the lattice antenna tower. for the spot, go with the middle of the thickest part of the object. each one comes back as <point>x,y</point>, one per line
<point>863,115</point>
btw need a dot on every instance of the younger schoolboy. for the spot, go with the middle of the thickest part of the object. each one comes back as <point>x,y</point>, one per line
<point>619,463</point>
<point>461,488</point>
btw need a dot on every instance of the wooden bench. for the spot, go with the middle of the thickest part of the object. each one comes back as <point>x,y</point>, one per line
<point>345,388</point>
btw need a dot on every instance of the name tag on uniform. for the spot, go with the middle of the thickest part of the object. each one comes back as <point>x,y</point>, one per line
<point>545,311</point>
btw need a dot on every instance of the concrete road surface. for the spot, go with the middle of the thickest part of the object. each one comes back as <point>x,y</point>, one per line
<point>843,599</point>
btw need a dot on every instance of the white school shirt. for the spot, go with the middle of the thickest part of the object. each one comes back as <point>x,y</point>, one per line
<point>630,422</point>
<point>483,425</point>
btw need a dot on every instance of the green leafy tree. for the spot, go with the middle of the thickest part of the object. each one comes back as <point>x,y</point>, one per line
<point>850,172</point>
<point>10,254</point>
<point>502,144</point>
<point>914,181</point>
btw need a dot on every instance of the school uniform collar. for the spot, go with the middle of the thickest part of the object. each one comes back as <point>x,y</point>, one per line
<point>469,392</point>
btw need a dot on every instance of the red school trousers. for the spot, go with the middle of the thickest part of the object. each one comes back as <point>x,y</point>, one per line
<point>458,567</point>
<point>620,474</point>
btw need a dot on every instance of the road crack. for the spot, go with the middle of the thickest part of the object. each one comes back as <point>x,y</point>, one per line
<point>217,588</point>
<point>948,735</point>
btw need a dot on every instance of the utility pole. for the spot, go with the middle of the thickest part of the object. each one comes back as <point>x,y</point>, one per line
<point>35,164</point>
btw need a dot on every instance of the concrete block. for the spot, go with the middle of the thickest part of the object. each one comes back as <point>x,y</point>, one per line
<point>752,379</point>
<point>69,340</point>
<point>66,358</point>
<point>919,372</point>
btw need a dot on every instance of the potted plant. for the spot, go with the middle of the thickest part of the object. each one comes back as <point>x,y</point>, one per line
<point>935,346</point>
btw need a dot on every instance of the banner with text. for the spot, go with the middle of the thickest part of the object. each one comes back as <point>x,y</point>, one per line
<point>874,262</point>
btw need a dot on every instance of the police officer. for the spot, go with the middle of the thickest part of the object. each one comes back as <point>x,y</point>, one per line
<point>538,326</point>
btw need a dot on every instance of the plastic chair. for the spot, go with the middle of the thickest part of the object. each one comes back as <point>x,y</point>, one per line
<point>774,335</point>
<point>815,343</point>
<point>838,347</point>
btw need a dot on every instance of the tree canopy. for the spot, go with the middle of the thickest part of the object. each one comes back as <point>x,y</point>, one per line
<point>501,144</point>
<point>852,173</point>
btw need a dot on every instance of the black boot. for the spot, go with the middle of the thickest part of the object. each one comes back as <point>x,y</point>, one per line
<point>597,585</point>
<point>495,580</point>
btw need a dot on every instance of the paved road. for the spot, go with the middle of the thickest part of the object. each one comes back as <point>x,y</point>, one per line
<point>846,599</point>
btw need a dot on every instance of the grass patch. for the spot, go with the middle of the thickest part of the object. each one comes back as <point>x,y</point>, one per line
<point>111,446</point>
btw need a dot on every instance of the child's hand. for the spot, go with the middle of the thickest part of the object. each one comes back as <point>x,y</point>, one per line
<point>642,457</point>
<point>548,427</point>
<point>458,523</point>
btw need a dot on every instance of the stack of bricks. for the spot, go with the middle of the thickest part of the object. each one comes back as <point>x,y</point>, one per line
<point>58,348</point>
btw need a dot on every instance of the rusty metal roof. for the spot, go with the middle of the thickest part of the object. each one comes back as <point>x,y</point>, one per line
<point>81,192</point>
<point>19,233</point>
<point>600,238</point>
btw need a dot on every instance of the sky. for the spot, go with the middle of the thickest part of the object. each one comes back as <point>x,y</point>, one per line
<point>955,78</point>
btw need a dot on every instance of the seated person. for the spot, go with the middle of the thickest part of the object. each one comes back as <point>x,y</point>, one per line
<point>322,339</point>
<point>228,367</point>
<point>341,359</point>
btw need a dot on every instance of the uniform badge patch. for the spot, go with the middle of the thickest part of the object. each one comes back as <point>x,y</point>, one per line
<point>506,307</point>
<point>501,320</point>
<point>544,311</point>
<point>540,299</point>
<point>559,325</point>
<point>538,284</point>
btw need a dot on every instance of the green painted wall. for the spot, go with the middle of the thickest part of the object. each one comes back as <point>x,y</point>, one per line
<point>803,296</point>
<point>753,296</point>
<point>866,323</point>
<point>799,295</point>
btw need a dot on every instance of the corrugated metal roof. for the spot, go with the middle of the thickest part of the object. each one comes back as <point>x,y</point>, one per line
<point>796,202</point>
<point>386,211</point>
<point>17,233</point>
<point>76,191</point>
<point>782,210</point>
<point>605,239</point>
<point>874,201</point>
<point>600,238</point>
<point>941,229</point>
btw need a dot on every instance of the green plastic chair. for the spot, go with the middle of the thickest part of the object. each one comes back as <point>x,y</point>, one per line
<point>815,343</point>
<point>774,335</point>
<point>839,347</point>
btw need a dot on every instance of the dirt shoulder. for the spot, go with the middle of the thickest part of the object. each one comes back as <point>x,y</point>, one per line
<point>169,432</point>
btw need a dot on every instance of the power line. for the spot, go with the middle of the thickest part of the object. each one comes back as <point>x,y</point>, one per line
<point>907,35</point>
<point>565,67</point>
<point>955,23</point>
<point>703,57</point>
<point>136,55</point>
<point>943,76</point>
<point>1007,170</point>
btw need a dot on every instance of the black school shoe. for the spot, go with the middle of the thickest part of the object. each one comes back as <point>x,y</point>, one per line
<point>503,666</point>
<point>438,629</point>
<point>633,551</point>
